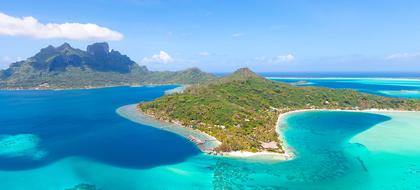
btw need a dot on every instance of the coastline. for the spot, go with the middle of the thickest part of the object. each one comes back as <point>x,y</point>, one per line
<point>264,155</point>
<point>282,126</point>
<point>345,110</point>
<point>289,153</point>
<point>131,112</point>
<point>91,87</point>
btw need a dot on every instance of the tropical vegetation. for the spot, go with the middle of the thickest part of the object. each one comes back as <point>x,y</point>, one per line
<point>241,110</point>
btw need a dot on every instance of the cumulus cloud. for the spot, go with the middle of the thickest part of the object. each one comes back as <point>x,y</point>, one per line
<point>403,56</point>
<point>238,34</point>
<point>277,59</point>
<point>31,27</point>
<point>162,57</point>
<point>285,58</point>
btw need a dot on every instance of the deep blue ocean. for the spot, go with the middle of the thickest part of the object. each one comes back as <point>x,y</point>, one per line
<point>84,123</point>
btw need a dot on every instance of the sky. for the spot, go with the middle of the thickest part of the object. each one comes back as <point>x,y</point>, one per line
<point>221,36</point>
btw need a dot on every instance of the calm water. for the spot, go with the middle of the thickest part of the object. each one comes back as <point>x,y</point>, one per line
<point>83,123</point>
<point>56,139</point>
<point>325,159</point>
<point>402,88</point>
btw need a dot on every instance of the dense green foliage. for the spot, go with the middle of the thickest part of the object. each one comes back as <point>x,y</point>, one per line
<point>67,67</point>
<point>241,110</point>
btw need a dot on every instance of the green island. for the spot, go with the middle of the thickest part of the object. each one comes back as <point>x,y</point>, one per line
<point>65,67</point>
<point>241,110</point>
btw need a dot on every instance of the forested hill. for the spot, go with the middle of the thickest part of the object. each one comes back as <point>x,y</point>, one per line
<point>68,67</point>
<point>241,110</point>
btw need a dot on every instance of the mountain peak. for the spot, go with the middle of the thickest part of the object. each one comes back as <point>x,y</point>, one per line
<point>65,45</point>
<point>194,70</point>
<point>244,71</point>
<point>97,57</point>
<point>243,74</point>
<point>98,49</point>
<point>48,50</point>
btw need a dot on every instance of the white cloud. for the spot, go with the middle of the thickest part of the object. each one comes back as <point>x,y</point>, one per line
<point>5,61</point>
<point>285,58</point>
<point>277,59</point>
<point>403,56</point>
<point>203,53</point>
<point>162,57</point>
<point>8,59</point>
<point>31,27</point>
<point>237,35</point>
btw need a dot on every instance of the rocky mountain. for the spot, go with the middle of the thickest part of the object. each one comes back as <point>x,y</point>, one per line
<point>68,67</point>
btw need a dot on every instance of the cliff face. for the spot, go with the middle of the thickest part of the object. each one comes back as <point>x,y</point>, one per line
<point>98,49</point>
<point>103,60</point>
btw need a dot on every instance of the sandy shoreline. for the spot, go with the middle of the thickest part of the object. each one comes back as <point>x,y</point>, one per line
<point>266,156</point>
<point>282,115</point>
<point>130,112</point>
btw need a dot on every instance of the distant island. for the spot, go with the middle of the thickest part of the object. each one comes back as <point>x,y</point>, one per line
<point>66,67</point>
<point>241,110</point>
<point>301,82</point>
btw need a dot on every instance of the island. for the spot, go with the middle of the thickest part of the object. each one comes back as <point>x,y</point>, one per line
<point>242,110</point>
<point>65,67</point>
<point>301,82</point>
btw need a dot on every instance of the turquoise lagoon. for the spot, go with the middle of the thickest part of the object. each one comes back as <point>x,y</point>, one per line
<point>392,87</point>
<point>57,139</point>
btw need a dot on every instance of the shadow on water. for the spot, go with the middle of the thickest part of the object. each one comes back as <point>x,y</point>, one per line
<point>84,123</point>
<point>324,155</point>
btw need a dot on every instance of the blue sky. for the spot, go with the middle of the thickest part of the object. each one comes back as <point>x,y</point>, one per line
<point>220,36</point>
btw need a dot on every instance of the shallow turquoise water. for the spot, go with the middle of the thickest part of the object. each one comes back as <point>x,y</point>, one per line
<point>392,87</point>
<point>56,139</point>
<point>394,154</point>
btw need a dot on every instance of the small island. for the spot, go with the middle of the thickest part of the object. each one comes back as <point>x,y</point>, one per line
<point>242,110</point>
<point>301,82</point>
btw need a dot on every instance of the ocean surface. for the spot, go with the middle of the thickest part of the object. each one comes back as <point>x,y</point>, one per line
<point>53,140</point>
<point>391,87</point>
